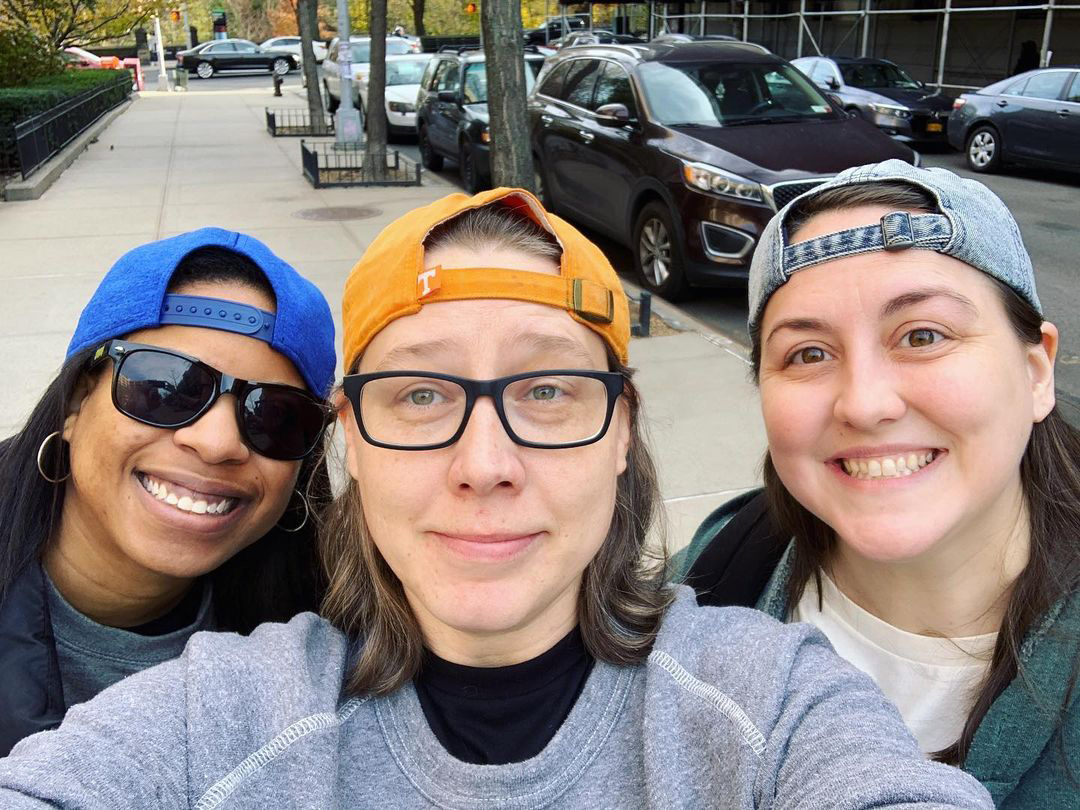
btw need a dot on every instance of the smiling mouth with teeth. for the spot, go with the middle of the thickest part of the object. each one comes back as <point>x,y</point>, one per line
<point>186,500</point>
<point>896,466</point>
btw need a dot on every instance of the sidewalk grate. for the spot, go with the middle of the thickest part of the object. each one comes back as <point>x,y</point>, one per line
<point>332,164</point>
<point>337,213</point>
<point>288,121</point>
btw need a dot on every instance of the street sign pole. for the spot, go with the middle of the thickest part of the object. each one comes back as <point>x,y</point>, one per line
<point>347,124</point>
<point>187,27</point>
<point>162,76</point>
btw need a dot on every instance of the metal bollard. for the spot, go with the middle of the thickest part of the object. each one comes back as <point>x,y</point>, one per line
<point>180,77</point>
<point>641,328</point>
<point>277,85</point>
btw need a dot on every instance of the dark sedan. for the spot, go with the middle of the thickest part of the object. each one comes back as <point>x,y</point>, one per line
<point>234,54</point>
<point>1031,119</point>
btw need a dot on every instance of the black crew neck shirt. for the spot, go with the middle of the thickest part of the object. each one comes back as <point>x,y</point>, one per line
<point>499,715</point>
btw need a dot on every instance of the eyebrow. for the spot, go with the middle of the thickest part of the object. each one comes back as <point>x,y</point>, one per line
<point>426,350</point>
<point>799,325</point>
<point>415,351</point>
<point>913,297</point>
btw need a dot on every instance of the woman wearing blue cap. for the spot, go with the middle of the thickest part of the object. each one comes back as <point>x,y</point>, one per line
<point>922,491</point>
<point>163,483</point>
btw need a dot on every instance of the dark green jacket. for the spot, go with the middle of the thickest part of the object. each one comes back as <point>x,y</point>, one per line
<point>1022,744</point>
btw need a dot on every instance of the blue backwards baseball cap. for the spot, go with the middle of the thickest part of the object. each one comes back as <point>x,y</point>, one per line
<point>133,296</point>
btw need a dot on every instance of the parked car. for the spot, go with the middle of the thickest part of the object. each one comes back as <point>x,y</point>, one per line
<point>234,54</point>
<point>292,45</point>
<point>1031,119</point>
<point>403,74</point>
<point>554,29</point>
<point>360,57</point>
<point>78,58</point>
<point>884,94</point>
<point>684,151</point>
<point>452,113</point>
<point>595,36</point>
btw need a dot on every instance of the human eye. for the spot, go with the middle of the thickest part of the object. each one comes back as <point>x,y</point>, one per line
<point>808,356</point>
<point>920,338</point>
<point>423,397</point>
<point>545,392</point>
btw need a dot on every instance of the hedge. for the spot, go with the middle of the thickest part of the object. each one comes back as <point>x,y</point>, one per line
<point>19,103</point>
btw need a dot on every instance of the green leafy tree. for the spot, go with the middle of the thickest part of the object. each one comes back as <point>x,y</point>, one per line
<point>59,23</point>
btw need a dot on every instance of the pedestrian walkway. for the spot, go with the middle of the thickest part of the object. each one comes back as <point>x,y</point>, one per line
<point>179,161</point>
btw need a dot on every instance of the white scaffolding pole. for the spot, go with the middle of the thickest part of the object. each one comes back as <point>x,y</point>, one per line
<point>865,28</point>
<point>944,43</point>
<point>1044,56</point>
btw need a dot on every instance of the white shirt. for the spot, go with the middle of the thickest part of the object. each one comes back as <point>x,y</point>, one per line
<point>932,680</point>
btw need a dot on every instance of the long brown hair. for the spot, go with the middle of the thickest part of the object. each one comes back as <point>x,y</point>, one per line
<point>623,593</point>
<point>1050,482</point>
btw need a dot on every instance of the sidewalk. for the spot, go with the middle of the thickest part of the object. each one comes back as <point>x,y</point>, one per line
<point>175,162</point>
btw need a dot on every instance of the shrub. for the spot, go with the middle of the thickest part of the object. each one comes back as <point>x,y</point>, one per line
<point>25,57</point>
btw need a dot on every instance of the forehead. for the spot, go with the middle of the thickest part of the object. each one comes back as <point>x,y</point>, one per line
<point>229,291</point>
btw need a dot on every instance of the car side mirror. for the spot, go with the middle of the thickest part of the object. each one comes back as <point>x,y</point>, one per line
<point>612,115</point>
<point>447,95</point>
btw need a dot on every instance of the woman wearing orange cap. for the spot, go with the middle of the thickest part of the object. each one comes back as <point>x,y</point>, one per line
<point>493,635</point>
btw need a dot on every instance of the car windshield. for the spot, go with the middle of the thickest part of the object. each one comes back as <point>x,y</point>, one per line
<point>405,71</point>
<point>729,94</point>
<point>878,74</point>
<point>361,51</point>
<point>476,83</point>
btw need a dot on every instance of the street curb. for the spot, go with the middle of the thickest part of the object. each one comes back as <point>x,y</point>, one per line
<point>47,174</point>
<point>685,322</point>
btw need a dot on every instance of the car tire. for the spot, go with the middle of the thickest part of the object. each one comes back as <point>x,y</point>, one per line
<point>983,149</point>
<point>658,256</point>
<point>280,66</point>
<point>331,102</point>
<point>427,154</point>
<point>540,184</point>
<point>470,177</point>
<point>204,70</point>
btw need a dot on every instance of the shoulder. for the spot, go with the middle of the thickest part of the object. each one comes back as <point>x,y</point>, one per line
<point>710,527</point>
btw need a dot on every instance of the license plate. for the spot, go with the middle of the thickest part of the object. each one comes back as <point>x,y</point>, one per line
<point>933,126</point>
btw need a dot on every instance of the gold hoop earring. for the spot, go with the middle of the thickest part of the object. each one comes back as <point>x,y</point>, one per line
<point>307,514</point>
<point>41,452</point>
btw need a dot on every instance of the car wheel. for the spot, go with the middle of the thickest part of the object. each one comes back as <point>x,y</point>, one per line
<point>331,102</point>
<point>984,149</point>
<point>470,179</point>
<point>204,70</point>
<point>540,185</point>
<point>427,154</point>
<point>280,66</point>
<point>657,253</point>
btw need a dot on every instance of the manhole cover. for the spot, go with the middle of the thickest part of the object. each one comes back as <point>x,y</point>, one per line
<point>338,213</point>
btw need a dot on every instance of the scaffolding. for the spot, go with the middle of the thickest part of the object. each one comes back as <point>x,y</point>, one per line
<point>861,17</point>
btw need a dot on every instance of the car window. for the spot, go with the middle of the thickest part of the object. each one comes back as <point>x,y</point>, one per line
<point>361,52</point>
<point>1074,91</point>
<point>822,72</point>
<point>476,86</point>
<point>578,87</point>
<point>397,47</point>
<point>446,77</point>
<point>553,82</point>
<point>1015,89</point>
<point>405,71</point>
<point>429,73</point>
<point>613,87</point>
<point>1046,85</point>
<point>221,47</point>
<point>245,47</point>
<point>878,74</point>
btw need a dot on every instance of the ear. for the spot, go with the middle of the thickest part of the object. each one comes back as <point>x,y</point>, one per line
<point>621,426</point>
<point>78,397</point>
<point>1041,370</point>
<point>347,419</point>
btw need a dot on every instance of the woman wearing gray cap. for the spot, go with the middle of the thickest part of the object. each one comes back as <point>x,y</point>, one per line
<point>922,491</point>
<point>162,483</point>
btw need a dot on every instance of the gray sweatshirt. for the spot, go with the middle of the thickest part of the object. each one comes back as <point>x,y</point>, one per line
<point>732,710</point>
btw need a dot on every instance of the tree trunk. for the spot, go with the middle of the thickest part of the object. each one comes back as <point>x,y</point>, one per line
<point>418,17</point>
<point>374,116</point>
<point>511,156</point>
<point>304,17</point>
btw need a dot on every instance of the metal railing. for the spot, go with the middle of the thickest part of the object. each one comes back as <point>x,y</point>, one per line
<point>284,122</point>
<point>40,137</point>
<point>332,164</point>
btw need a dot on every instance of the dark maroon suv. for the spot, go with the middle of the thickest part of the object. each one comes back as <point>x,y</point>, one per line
<point>683,151</point>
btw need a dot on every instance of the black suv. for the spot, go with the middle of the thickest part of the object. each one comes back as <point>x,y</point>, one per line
<point>683,151</point>
<point>452,113</point>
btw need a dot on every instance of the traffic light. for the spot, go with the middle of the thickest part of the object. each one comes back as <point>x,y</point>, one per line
<point>174,15</point>
<point>470,8</point>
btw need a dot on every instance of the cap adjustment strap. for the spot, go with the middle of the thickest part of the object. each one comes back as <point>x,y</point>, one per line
<point>216,313</point>
<point>895,231</point>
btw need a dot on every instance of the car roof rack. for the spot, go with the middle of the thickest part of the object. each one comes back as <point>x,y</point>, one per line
<point>457,48</point>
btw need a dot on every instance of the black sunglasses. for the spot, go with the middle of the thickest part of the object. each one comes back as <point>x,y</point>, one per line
<point>167,389</point>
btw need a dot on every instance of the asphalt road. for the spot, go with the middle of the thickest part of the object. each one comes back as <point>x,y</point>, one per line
<point>1046,204</point>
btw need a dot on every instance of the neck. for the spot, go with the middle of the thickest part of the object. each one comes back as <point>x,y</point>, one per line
<point>105,585</point>
<point>958,588</point>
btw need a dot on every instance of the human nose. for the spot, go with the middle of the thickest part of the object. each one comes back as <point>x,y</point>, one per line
<point>486,459</point>
<point>870,392</point>
<point>215,436</point>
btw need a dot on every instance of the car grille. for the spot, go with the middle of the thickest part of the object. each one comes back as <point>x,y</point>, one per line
<point>919,123</point>
<point>783,193</point>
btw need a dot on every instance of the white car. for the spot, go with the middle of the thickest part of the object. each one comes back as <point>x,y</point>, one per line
<point>403,74</point>
<point>360,62</point>
<point>292,45</point>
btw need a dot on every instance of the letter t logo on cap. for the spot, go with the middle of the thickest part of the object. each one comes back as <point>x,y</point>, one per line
<point>427,282</point>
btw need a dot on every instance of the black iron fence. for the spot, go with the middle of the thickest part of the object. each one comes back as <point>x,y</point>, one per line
<point>40,137</point>
<point>333,164</point>
<point>281,121</point>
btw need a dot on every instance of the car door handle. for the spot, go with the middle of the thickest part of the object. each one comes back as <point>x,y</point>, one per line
<point>546,120</point>
<point>586,136</point>
<point>1064,112</point>
<point>1003,103</point>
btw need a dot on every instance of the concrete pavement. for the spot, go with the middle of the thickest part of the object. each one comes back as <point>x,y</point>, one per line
<point>175,162</point>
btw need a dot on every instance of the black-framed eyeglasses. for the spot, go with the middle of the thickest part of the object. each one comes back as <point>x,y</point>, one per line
<point>167,389</point>
<point>422,410</point>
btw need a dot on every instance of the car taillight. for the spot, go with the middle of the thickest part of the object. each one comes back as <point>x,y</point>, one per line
<point>960,102</point>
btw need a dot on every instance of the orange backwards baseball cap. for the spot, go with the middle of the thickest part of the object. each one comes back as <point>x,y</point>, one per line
<point>391,279</point>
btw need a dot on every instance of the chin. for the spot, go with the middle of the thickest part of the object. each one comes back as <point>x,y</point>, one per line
<point>887,540</point>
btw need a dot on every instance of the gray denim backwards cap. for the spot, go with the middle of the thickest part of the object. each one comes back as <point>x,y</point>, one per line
<point>971,225</point>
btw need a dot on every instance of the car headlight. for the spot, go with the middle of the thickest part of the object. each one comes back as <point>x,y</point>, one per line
<point>710,178</point>
<point>485,137</point>
<point>893,110</point>
<point>400,107</point>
